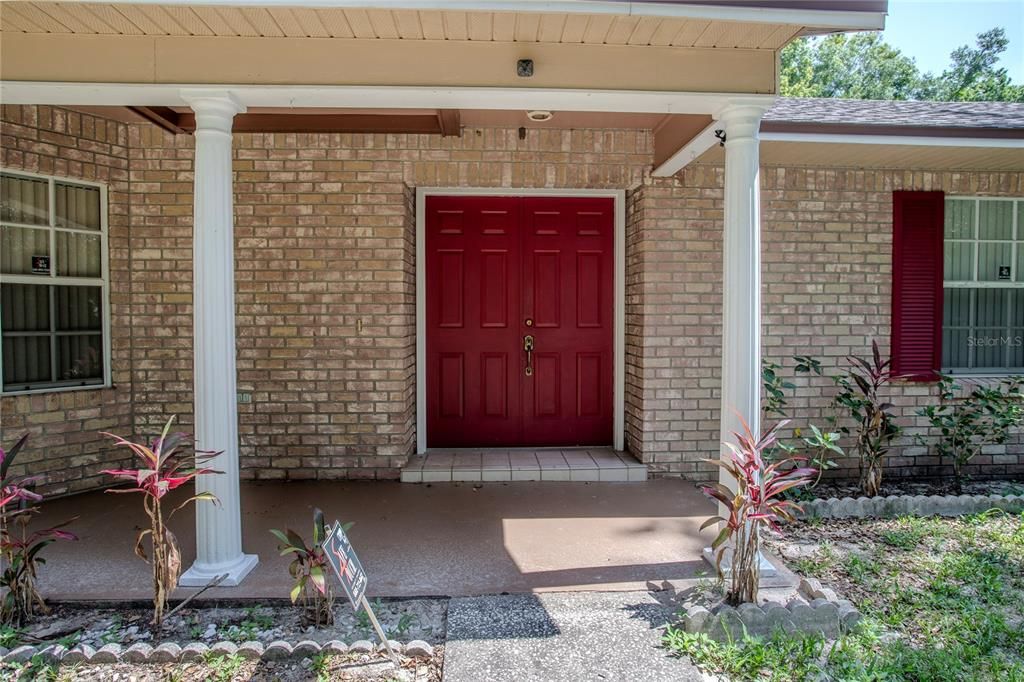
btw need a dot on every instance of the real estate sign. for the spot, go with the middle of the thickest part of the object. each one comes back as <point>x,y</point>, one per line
<point>343,559</point>
<point>345,563</point>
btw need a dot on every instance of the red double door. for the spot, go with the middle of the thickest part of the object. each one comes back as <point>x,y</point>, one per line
<point>519,307</point>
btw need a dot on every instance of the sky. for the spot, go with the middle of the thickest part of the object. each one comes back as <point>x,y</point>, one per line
<point>928,30</point>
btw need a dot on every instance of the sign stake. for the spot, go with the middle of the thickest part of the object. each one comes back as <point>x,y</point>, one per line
<point>380,633</point>
<point>342,558</point>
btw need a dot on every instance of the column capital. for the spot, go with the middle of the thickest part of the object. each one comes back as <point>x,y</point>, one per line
<point>741,117</point>
<point>214,109</point>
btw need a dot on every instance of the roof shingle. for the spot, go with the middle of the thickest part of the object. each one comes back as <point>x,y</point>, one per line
<point>848,112</point>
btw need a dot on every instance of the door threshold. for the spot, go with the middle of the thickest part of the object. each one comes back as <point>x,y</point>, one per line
<point>523,464</point>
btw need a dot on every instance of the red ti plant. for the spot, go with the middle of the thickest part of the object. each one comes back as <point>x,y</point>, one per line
<point>756,502</point>
<point>309,568</point>
<point>860,393</point>
<point>19,549</point>
<point>163,466</point>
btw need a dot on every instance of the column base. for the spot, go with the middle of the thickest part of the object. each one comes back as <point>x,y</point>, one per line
<point>200,575</point>
<point>768,569</point>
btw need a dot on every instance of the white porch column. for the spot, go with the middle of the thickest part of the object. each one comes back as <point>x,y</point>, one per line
<point>218,527</point>
<point>741,287</point>
<point>741,284</point>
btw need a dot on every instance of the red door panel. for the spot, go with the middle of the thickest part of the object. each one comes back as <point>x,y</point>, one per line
<point>498,269</point>
<point>473,378</point>
<point>568,292</point>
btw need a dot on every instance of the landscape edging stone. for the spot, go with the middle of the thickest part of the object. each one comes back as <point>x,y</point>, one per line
<point>904,505</point>
<point>171,652</point>
<point>814,610</point>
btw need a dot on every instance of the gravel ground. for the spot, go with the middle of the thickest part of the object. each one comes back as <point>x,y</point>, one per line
<point>553,637</point>
<point>402,620</point>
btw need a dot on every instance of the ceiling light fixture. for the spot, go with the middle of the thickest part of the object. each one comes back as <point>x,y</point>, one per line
<point>539,116</point>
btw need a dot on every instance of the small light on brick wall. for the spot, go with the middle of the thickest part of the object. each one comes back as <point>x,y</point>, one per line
<point>359,326</point>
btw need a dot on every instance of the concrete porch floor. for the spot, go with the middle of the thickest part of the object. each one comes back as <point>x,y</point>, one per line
<point>447,539</point>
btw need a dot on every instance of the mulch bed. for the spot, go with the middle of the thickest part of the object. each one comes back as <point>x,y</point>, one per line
<point>827,488</point>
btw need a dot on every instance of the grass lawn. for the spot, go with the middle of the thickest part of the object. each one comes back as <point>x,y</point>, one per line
<point>943,599</point>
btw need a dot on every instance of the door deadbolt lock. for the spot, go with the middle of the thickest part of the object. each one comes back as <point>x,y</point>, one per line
<point>529,322</point>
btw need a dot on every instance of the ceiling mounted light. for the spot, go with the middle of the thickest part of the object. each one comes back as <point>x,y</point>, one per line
<point>539,116</point>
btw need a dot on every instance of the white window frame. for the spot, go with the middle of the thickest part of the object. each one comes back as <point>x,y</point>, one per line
<point>53,279</point>
<point>1018,233</point>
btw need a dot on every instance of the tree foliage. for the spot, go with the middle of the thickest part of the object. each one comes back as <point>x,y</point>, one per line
<point>864,66</point>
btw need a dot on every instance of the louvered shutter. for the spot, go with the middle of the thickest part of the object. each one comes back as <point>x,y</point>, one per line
<point>917,284</point>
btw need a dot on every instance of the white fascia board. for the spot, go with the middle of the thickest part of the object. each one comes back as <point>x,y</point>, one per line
<point>691,151</point>
<point>824,19</point>
<point>706,139</point>
<point>898,140</point>
<point>382,97</point>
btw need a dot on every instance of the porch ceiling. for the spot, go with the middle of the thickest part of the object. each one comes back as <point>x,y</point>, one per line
<point>711,46</point>
<point>404,24</point>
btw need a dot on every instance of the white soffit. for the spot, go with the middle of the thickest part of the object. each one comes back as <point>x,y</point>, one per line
<point>809,18</point>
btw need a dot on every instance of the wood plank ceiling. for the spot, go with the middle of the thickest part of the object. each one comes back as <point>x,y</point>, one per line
<point>405,24</point>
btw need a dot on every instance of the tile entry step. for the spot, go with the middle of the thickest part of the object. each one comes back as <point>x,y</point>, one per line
<point>542,464</point>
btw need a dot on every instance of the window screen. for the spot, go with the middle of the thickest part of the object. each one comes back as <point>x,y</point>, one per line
<point>983,285</point>
<point>53,288</point>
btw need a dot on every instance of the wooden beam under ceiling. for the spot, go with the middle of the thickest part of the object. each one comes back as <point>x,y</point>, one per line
<point>164,117</point>
<point>450,122</point>
<point>444,122</point>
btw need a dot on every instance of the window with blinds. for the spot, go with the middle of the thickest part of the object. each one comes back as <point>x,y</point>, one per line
<point>983,285</point>
<point>53,283</point>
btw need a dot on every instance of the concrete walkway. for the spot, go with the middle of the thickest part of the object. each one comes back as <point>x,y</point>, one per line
<point>550,637</point>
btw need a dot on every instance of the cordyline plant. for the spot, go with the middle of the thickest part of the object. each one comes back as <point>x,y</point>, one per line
<point>19,549</point>
<point>757,502</point>
<point>164,466</point>
<point>309,568</point>
<point>859,393</point>
<point>968,424</point>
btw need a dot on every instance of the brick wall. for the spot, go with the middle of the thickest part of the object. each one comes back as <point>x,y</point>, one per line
<point>828,283</point>
<point>674,284</point>
<point>65,446</point>
<point>325,280</point>
<point>325,251</point>
<point>827,241</point>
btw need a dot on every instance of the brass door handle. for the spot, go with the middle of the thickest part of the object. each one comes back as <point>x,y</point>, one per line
<point>528,347</point>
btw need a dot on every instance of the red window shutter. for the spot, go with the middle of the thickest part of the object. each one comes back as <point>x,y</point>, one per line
<point>917,221</point>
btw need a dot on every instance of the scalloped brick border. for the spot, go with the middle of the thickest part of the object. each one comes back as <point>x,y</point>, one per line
<point>913,505</point>
<point>170,652</point>
<point>821,612</point>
